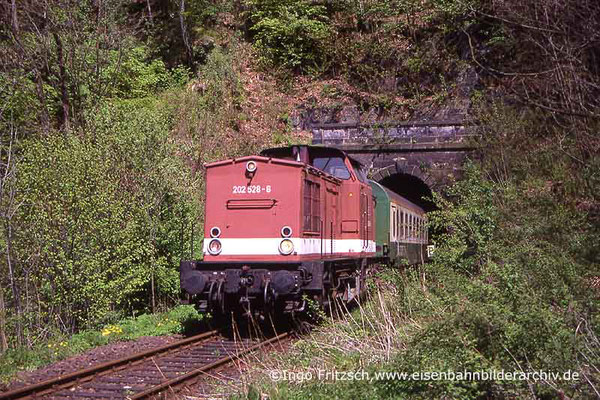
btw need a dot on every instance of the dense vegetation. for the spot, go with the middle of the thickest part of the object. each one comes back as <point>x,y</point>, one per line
<point>108,110</point>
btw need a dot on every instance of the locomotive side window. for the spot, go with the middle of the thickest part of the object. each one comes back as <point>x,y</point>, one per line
<point>312,207</point>
<point>333,166</point>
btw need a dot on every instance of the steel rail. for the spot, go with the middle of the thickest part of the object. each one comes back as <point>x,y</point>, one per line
<point>177,382</point>
<point>76,377</point>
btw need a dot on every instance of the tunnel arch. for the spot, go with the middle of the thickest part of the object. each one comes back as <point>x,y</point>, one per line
<point>413,186</point>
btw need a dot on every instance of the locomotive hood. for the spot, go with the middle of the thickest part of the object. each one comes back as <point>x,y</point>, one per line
<point>251,206</point>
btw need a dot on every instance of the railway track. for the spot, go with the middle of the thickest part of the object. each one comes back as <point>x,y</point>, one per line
<point>146,374</point>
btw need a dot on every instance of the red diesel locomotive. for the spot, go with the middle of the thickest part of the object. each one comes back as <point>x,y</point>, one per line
<point>292,224</point>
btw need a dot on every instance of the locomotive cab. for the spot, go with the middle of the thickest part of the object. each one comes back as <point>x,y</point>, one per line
<point>291,224</point>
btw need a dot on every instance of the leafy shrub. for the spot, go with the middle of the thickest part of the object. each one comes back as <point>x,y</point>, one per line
<point>290,33</point>
<point>103,214</point>
<point>504,291</point>
<point>135,75</point>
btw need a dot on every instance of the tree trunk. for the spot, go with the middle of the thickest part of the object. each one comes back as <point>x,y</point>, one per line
<point>13,14</point>
<point>3,341</point>
<point>184,34</point>
<point>13,283</point>
<point>44,117</point>
<point>153,295</point>
<point>64,116</point>
<point>150,13</point>
<point>7,197</point>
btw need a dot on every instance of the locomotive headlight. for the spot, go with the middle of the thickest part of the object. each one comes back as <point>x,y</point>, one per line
<point>214,247</point>
<point>286,247</point>
<point>251,167</point>
<point>286,231</point>
<point>215,232</point>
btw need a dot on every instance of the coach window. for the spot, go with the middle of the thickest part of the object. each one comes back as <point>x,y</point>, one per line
<point>402,233</point>
<point>395,224</point>
<point>416,227</point>
<point>312,207</point>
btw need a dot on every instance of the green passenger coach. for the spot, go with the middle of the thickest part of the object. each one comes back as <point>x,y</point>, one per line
<point>401,227</point>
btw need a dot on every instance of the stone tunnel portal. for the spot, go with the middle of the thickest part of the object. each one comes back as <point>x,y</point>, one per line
<point>410,187</point>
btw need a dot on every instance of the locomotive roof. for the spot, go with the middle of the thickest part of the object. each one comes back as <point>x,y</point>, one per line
<point>283,149</point>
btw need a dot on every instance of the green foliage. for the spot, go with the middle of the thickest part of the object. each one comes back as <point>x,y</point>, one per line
<point>290,33</point>
<point>173,321</point>
<point>60,347</point>
<point>222,81</point>
<point>131,75</point>
<point>506,289</point>
<point>103,213</point>
<point>468,227</point>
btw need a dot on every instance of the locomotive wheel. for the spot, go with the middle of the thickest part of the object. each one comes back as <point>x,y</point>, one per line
<point>268,298</point>
<point>216,298</point>
<point>324,298</point>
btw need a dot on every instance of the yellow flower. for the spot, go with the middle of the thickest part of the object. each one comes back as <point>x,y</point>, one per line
<point>111,329</point>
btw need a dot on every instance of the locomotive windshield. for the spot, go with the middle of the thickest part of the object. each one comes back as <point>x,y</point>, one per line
<point>332,165</point>
<point>329,160</point>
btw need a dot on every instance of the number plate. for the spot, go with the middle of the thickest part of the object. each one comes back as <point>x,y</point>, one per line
<point>251,189</point>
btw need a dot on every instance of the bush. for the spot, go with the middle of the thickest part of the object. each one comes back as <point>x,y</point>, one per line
<point>290,33</point>
<point>136,75</point>
<point>103,216</point>
<point>505,291</point>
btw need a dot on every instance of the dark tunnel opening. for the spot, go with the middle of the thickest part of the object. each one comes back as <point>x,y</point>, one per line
<point>411,188</point>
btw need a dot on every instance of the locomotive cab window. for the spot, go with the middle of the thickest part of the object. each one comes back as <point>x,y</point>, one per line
<point>333,166</point>
<point>359,171</point>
